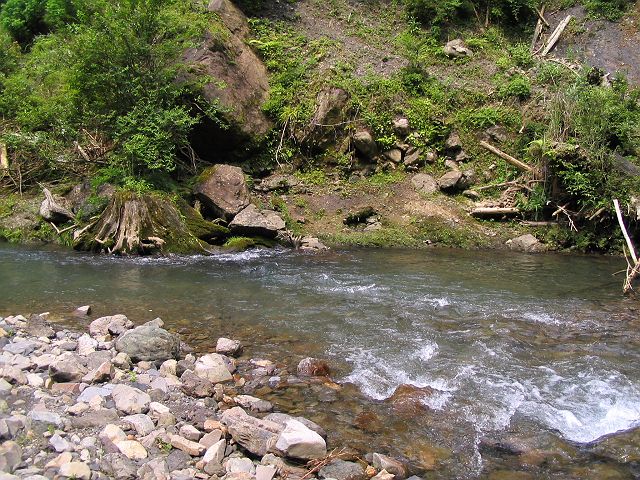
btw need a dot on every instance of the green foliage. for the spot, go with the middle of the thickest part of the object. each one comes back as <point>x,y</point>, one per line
<point>312,177</point>
<point>437,12</point>
<point>26,19</point>
<point>610,9</point>
<point>239,243</point>
<point>485,117</point>
<point>382,179</point>
<point>113,70</point>
<point>518,86</point>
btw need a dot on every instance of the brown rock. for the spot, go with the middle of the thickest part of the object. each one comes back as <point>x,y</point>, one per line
<point>407,400</point>
<point>222,189</point>
<point>187,446</point>
<point>313,367</point>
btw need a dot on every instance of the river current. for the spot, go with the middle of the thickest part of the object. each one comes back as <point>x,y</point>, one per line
<point>525,345</point>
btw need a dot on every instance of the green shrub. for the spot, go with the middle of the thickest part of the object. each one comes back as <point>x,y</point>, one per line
<point>518,86</point>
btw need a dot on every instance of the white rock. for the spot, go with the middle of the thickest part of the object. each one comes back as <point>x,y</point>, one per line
<point>35,380</point>
<point>76,470</point>
<point>265,472</point>
<point>298,441</point>
<point>227,346</point>
<point>59,444</point>
<point>213,368</point>
<point>215,453</point>
<point>168,367</point>
<point>86,345</point>
<point>130,400</point>
<point>142,424</point>
<point>112,433</point>
<point>237,465</point>
<point>132,449</point>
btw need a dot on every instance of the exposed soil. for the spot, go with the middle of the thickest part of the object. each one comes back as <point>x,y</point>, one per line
<point>612,46</point>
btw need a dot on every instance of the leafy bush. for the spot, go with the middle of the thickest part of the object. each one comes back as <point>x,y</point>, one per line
<point>517,86</point>
<point>437,12</point>
<point>25,19</point>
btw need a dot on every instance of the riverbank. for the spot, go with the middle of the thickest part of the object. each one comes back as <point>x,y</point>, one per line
<point>125,402</point>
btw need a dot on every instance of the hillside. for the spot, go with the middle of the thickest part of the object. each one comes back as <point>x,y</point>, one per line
<point>359,122</point>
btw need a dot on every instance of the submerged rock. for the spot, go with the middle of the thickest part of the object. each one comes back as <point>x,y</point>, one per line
<point>313,367</point>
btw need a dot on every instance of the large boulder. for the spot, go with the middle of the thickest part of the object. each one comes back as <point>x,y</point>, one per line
<point>257,436</point>
<point>239,85</point>
<point>526,243</point>
<point>252,222</point>
<point>223,191</point>
<point>149,343</point>
<point>328,123</point>
<point>364,143</point>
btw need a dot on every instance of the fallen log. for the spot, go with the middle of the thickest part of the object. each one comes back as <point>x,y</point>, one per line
<point>538,30</point>
<point>555,36</point>
<point>508,158</point>
<point>494,211</point>
<point>4,157</point>
<point>633,270</point>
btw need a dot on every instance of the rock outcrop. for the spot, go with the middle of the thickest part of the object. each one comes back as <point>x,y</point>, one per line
<point>223,191</point>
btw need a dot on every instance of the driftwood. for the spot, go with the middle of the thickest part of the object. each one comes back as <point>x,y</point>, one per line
<point>538,30</point>
<point>493,211</point>
<point>52,211</point>
<point>508,158</point>
<point>633,270</point>
<point>4,157</point>
<point>555,36</point>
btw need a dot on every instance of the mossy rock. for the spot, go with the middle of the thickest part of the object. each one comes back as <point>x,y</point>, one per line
<point>200,228</point>
<point>240,244</point>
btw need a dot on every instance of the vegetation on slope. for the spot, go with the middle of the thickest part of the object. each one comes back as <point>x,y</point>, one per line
<point>99,88</point>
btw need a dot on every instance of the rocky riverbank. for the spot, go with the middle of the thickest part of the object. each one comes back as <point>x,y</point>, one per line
<point>133,402</point>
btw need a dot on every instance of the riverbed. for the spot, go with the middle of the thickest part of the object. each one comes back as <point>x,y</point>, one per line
<point>529,359</point>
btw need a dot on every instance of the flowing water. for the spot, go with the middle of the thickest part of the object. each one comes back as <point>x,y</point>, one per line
<point>541,352</point>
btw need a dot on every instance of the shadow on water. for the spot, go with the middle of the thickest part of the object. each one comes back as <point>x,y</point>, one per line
<point>523,360</point>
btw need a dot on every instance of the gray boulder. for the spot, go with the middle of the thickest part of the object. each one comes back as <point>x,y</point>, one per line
<point>526,243</point>
<point>223,191</point>
<point>252,221</point>
<point>450,181</point>
<point>457,48</point>
<point>424,184</point>
<point>343,470</point>
<point>365,144</point>
<point>149,343</point>
<point>67,368</point>
<point>256,435</point>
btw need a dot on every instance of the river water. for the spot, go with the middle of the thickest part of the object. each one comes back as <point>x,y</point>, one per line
<point>541,351</point>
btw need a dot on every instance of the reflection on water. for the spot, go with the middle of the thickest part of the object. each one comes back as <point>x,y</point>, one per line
<point>541,340</point>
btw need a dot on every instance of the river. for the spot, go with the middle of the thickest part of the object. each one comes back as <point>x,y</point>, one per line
<point>540,351</point>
